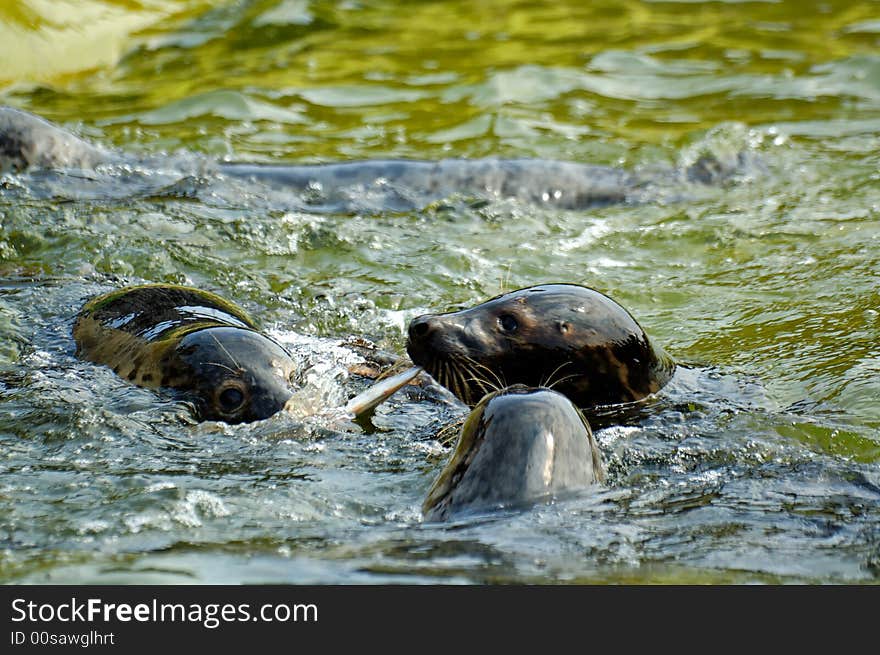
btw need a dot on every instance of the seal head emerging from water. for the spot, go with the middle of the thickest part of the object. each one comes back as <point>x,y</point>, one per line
<point>191,341</point>
<point>568,337</point>
<point>518,446</point>
<point>28,141</point>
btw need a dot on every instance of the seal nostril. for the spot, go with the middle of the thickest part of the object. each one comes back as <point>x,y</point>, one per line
<point>419,328</point>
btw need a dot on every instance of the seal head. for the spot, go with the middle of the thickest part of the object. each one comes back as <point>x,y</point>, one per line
<point>518,446</point>
<point>191,341</point>
<point>233,375</point>
<point>565,336</point>
<point>28,141</point>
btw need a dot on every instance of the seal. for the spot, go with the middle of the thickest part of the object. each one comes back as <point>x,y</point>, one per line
<point>569,337</point>
<point>191,341</point>
<point>518,446</point>
<point>29,142</point>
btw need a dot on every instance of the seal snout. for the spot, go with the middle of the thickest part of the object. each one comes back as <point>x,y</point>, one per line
<point>433,337</point>
<point>424,337</point>
<point>420,327</point>
<point>418,341</point>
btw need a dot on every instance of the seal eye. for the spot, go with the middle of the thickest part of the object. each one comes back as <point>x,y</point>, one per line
<point>507,323</point>
<point>230,399</point>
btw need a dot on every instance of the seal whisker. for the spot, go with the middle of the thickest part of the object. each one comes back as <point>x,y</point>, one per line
<point>434,373</point>
<point>484,382</point>
<point>223,348</point>
<point>461,372</point>
<point>462,381</point>
<point>448,434</point>
<point>548,382</point>
<point>448,372</point>
<point>565,378</point>
<point>485,385</point>
<point>443,372</point>
<point>479,366</point>
<point>450,381</point>
<point>218,364</point>
<point>434,370</point>
<point>466,375</point>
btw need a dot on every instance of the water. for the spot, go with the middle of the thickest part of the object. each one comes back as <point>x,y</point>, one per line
<point>760,464</point>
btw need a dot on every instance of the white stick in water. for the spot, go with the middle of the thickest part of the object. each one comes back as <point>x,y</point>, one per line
<point>380,392</point>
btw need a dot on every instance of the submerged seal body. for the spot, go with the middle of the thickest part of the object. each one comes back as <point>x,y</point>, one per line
<point>518,446</point>
<point>565,336</point>
<point>29,142</point>
<point>191,341</point>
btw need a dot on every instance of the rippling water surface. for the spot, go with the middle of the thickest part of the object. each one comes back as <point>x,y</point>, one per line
<point>761,463</point>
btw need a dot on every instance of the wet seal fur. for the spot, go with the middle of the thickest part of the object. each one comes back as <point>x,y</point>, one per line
<point>565,336</point>
<point>518,446</point>
<point>28,142</point>
<point>191,341</point>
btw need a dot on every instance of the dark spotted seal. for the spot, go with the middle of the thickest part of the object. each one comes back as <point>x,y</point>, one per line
<point>568,337</point>
<point>518,446</point>
<point>191,341</point>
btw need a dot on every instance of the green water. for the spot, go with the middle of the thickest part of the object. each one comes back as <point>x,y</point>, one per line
<point>769,283</point>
